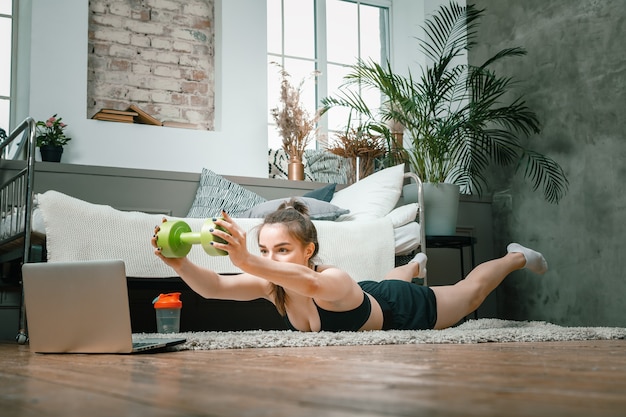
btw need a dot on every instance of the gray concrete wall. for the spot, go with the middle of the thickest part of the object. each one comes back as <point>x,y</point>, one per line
<point>574,77</point>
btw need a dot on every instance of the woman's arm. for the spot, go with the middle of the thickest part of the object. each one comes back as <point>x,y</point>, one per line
<point>331,285</point>
<point>209,284</point>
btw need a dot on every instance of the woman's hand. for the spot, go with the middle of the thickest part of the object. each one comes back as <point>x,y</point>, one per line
<point>172,262</point>
<point>236,239</point>
<point>207,282</point>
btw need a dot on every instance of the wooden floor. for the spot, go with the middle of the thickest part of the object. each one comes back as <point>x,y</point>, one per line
<point>511,379</point>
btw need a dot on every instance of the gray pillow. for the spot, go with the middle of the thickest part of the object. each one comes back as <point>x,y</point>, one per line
<point>216,193</point>
<point>318,209</point>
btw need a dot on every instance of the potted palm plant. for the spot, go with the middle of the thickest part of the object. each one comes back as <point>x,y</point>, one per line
<point>454,113</point>
<point>51,138</point>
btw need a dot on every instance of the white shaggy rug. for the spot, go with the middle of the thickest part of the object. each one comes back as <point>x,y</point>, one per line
<point>472,331</point>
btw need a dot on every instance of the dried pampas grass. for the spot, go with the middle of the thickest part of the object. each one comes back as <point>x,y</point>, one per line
<point>294,123</point>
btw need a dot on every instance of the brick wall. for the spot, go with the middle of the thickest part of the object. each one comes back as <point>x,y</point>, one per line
<point>156,54</point>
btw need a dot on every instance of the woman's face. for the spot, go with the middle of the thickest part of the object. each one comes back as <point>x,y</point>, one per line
<point>277,244</point>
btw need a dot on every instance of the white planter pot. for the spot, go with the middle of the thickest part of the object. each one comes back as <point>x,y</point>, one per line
<point>409,193</point>
<point>441,208</point>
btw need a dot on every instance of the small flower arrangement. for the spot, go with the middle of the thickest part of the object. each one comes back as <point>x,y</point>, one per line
<point>50,132</point>
<point>293,122</point>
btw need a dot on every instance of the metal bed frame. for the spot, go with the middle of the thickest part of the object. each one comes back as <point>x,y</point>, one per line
<point>17,202</point>
<point>420,213</point>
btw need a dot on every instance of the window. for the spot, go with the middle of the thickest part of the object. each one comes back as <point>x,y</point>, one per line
<point>6,48</point>
<point>327,36</point>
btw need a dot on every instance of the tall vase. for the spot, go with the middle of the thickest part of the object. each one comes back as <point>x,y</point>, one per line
<point>441,208</point>
<point>295,170</point>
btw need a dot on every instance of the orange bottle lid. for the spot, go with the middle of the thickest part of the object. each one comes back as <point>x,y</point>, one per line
<point>171,300</point>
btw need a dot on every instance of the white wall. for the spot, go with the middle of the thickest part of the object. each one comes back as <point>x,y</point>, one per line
<point>406,18</point>
<point>407,21</point>
<point>238,146</point>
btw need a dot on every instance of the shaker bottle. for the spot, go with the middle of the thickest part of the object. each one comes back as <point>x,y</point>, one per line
<point>167,307</point>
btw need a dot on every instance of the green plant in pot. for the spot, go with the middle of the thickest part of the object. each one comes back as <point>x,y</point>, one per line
<point>455,115</point>
<point>51,138</point>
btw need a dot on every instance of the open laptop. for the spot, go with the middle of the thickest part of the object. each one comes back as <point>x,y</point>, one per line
<point>81,307</point>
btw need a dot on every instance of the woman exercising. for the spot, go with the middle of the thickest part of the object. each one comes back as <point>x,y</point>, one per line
<point>314,297</point>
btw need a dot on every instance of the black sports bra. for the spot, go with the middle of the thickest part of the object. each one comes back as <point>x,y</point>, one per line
<point>337,321</point>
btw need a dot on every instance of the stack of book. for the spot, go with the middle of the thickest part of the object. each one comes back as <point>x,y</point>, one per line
<point>131,115</point>
<point>113,115</point>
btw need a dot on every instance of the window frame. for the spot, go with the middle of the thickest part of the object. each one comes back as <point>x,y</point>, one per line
<point>13,66</point>
<point>320,59</point>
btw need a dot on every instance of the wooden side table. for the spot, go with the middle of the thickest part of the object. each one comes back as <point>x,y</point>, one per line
<point>455,242</point>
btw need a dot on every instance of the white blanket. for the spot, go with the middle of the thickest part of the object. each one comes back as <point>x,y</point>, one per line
<point>77,231</point>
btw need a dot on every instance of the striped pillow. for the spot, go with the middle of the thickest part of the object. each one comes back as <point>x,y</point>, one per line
<point>328,167</point>
<point>216,193</point>
<point>319,165</point>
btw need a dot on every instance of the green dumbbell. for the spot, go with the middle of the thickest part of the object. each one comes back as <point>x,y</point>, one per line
<point>175,239</point>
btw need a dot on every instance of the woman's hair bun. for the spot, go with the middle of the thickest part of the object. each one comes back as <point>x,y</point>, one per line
<point>295,204</point>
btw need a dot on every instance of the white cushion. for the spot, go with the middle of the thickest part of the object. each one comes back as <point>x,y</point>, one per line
<point>403,214</point>
<point>407,238</point>
<point>372,197</point>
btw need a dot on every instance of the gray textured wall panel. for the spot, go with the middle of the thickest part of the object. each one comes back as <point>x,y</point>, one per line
<point>574,77</point>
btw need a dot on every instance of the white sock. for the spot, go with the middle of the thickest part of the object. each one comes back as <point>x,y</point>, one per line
<point>421,259</point>
<point>535,261</point>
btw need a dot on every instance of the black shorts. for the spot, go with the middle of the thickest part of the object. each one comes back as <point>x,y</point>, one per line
<point>406,306</point>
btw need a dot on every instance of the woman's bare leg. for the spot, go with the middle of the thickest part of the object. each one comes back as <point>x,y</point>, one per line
<point>456,301</point>
<point>415,268</point>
